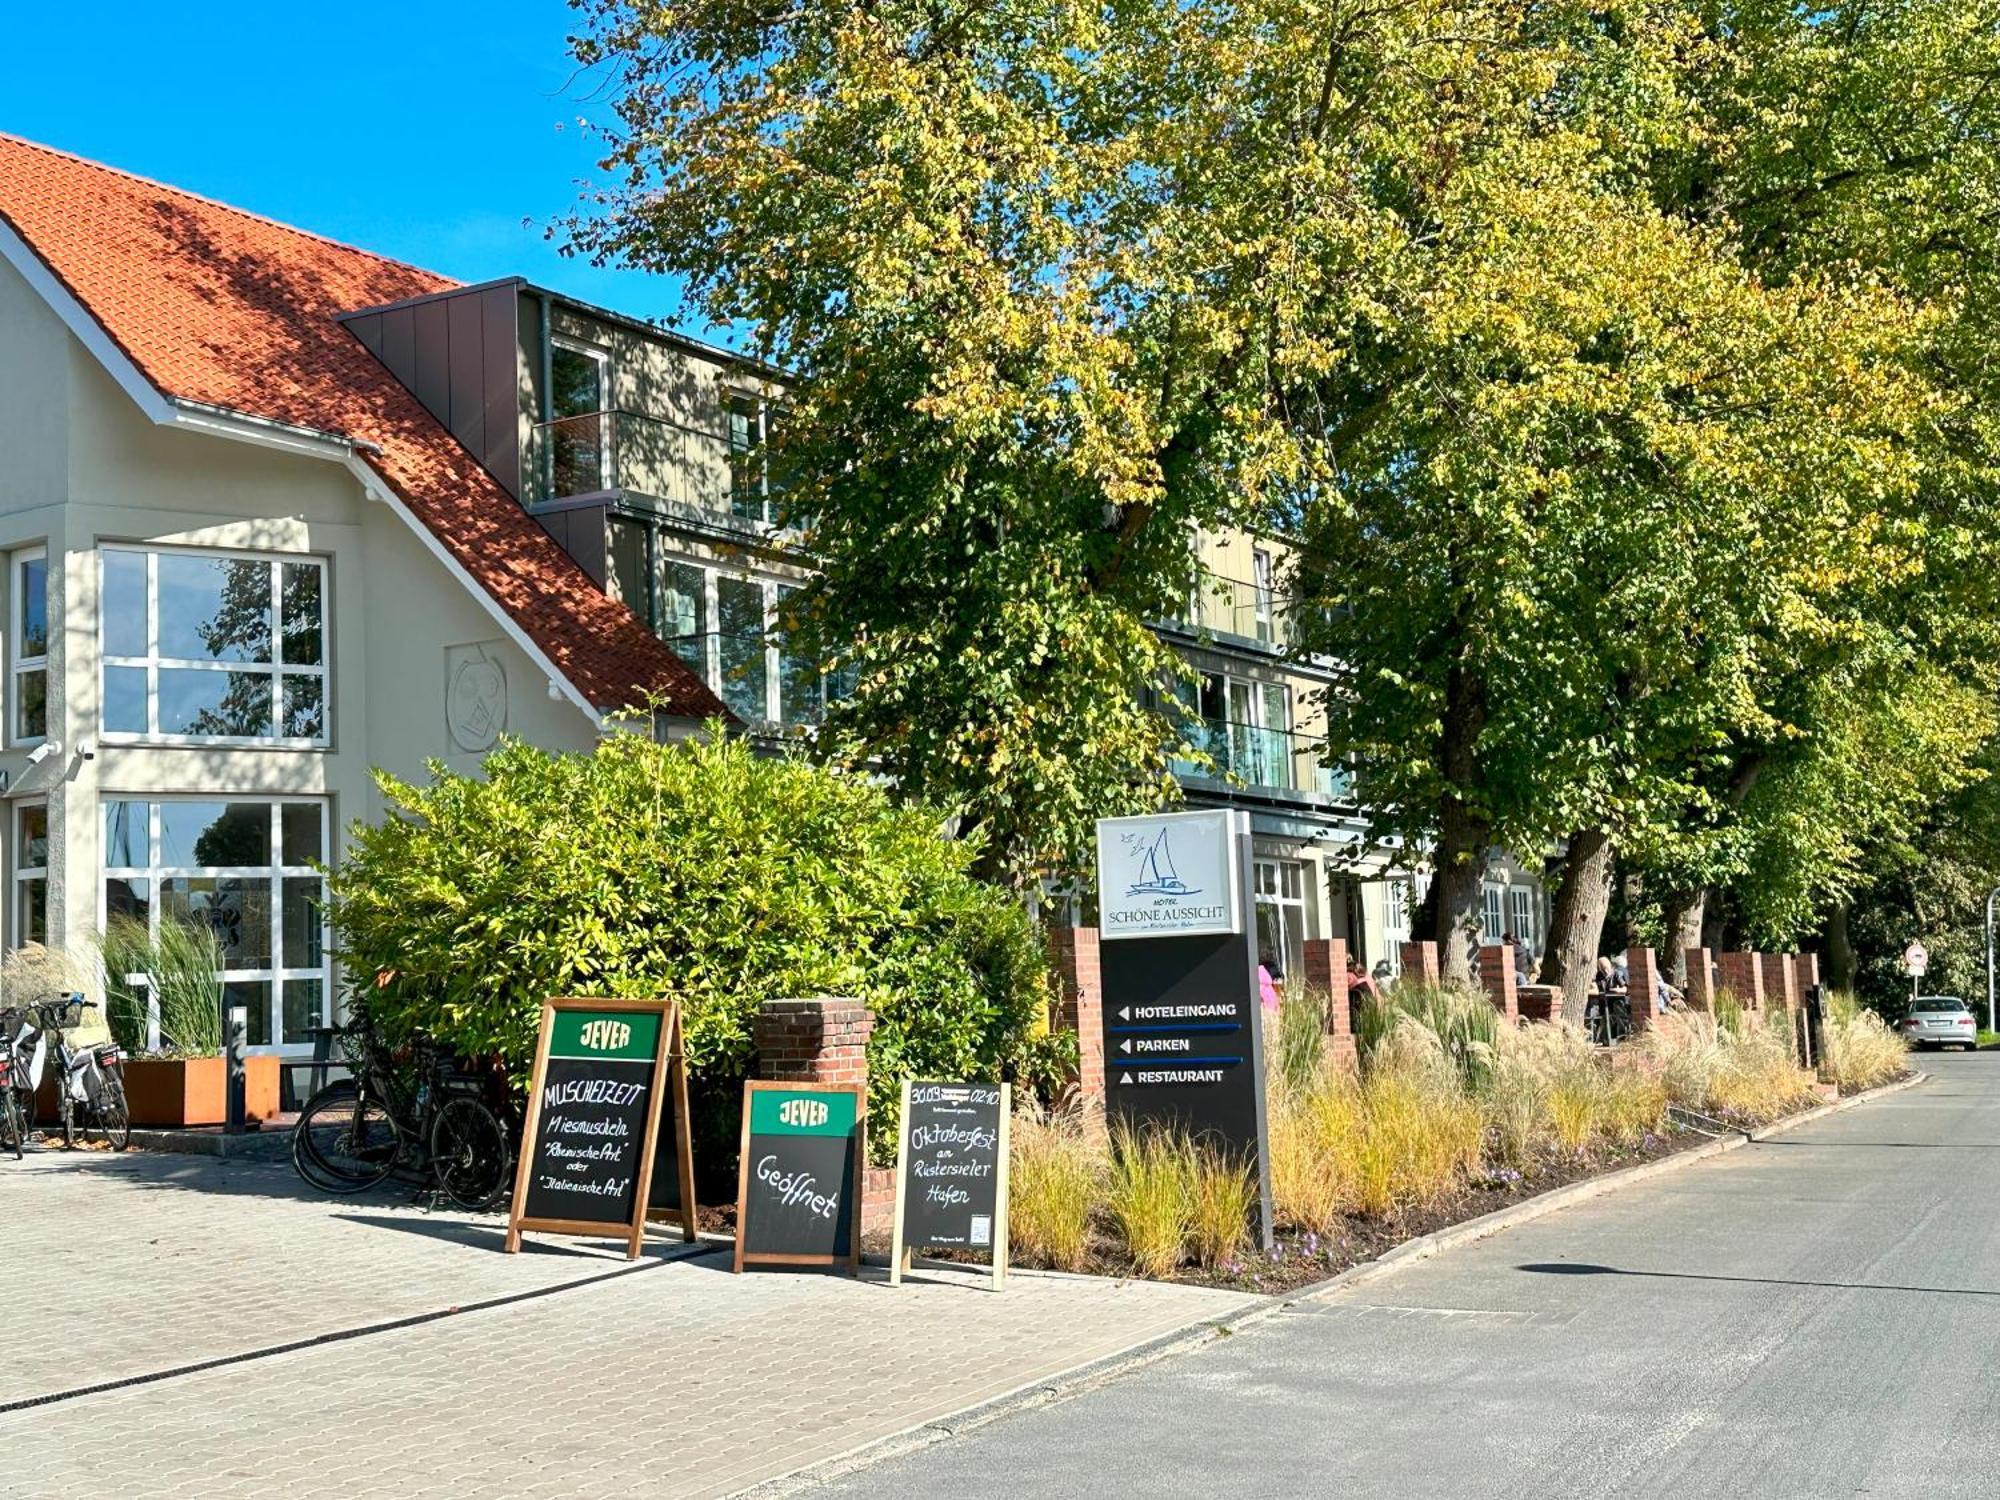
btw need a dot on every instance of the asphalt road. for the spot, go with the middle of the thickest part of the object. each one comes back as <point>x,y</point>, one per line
<point>1814,1316</point>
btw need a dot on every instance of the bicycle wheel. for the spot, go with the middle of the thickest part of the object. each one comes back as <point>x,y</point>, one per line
<point>470,1153</point>
<point>344,1143</point>
<point>66,1109</point>
<point>113,1117</point>
<point>11,1128</point>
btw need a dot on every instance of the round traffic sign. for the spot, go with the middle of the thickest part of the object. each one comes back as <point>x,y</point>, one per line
<point>1916,958</point>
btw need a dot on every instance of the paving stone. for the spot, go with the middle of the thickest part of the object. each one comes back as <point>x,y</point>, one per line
<point>681,1379</point>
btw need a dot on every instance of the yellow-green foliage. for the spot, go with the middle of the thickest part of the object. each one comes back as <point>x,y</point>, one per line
<point>1313,1131</point>
<point>1055,1179</point>
<point>1861,1049</point>
<point>1151,1196</point>
<point>1225,1191</point>
<point>1420,1128</point>
<point>1550,1086</point>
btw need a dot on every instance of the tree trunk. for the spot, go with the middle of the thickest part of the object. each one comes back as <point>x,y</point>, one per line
<point>1839,950</point>
<point>1681,913</point>
<point>1464,832</point>
<point>1631,898</point>
<point>1576,919</point>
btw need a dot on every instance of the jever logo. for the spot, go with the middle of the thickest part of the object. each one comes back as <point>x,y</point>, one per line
<point>606,1036</point>
<point>802,1113</point>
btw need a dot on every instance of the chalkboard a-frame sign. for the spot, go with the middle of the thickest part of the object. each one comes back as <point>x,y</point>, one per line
<point>951,1173</point>
<point>603,1071</point>
<point>798,1192</point>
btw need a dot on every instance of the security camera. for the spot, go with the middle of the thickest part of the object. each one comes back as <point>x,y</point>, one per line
<point>43,751</point>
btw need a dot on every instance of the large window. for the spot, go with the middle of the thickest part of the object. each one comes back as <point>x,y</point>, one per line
<point>725,626</point>
<point>244,869</point>
<point>1245,726</point>
<point>1492,916</point>
<point>579,447</point>
<point>1522,917</point>
<point>210,647</point>
<point>756,483</point>
<point>31,646</point>
<point>31,873</point>
<point>1281,915</point>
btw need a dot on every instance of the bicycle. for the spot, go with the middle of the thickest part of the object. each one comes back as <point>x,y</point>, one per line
<point>433,1124</point>
<point>13,1131</point>
<point>90,1083</point>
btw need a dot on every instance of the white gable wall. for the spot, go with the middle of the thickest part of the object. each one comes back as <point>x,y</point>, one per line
<point>417,666</point>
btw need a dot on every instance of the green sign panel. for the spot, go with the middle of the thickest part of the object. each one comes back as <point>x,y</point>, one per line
<point>804,1112</point>
<point>631,1036</point>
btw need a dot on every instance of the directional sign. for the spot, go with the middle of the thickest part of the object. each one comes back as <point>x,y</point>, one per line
<point>1183,1039</point>
<point>1916,958</point>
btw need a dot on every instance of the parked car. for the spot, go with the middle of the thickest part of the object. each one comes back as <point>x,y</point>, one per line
<point>1940,1021</point>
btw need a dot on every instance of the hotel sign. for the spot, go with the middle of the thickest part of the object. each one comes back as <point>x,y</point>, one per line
<point>1169,875</point>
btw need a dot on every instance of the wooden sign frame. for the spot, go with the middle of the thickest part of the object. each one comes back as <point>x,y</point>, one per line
<point>901,1255</point>
<point>670,1070</point>
<point>754,1086</point>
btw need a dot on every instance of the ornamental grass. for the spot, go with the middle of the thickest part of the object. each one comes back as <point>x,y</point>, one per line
<point>1055,1181</point>
<point>1150,1193</point>
<point>1862,1050</point>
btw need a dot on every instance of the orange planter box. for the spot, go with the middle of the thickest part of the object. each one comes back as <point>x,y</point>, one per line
<point>176,1091</point>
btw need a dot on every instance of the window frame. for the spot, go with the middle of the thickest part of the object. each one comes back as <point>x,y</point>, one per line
<point>276,973</point>
<point>605,407</point>
<point>1522,917</point>
<point>277,669</point>
<point>24,665</point>
<point>24,875</point>
<point>709,632</point>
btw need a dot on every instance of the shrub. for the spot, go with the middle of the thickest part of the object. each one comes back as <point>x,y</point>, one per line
<point>1151,1196</point>
<point>1419,1128</point>
<point>1225,1192</point>
<point>1862,1050</point>
<point>180,980</point>
<point>1749,1072</point>
<point>1728,1012</point>
<point>1055,1177</point>
<point>697,870</point>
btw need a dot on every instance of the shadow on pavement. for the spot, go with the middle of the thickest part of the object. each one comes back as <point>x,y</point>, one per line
<point>1584,1268</point>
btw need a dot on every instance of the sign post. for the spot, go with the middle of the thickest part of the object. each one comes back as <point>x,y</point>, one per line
<point>1916,958</point>
<point>798,1192</point>
<point>593,1116</point>
<point>951,1173</point>
<point>1183,1032</point>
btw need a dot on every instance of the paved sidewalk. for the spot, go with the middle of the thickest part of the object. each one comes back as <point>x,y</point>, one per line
<point>677,1379</point>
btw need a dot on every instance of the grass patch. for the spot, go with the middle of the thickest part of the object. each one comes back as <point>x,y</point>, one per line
<point>1055,1179</point>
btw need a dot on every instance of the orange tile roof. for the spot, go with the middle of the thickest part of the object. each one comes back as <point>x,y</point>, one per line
<point>221,307</point>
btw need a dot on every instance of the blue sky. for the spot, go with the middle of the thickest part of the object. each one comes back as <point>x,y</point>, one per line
<point>428,130</point>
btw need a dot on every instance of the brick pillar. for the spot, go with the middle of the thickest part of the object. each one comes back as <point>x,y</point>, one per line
<point>1326,970</point>
<point>1496,977</point>
<point>1701,979</point>
<point>1642,985</point>
<point>813,1041</point>
<point>1743,976</point>
<point>1080,1006</point>
<point>1805,973</point>
<point>826,1041</point>
<point>1779,984</point>
<point>1420,963</point>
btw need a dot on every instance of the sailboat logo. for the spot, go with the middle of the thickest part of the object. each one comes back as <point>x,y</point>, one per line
<point>1157,876</point>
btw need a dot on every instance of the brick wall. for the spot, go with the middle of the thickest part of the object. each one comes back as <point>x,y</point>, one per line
<point>1642,985</point>
<point>1701,979</point>
<point>1805,973</point>
<point>813,1041</point>
<point>1538,1002</point>
<point>826,1041</point>
<point>1743,976</point>
<point>1780,986</point>
<point>1080,1006</point>
<point>1496,977</point>
<point>1420,963</point>
<point>1326,971</point>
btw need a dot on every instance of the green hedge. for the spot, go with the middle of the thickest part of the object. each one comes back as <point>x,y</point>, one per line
<point>700,871</point>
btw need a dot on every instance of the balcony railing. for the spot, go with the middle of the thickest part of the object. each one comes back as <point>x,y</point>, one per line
<point>1272,759</point>
<point>1236,606</point>
<point>634,452</point>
